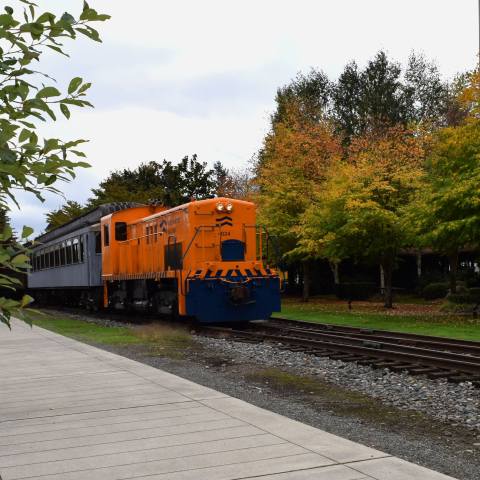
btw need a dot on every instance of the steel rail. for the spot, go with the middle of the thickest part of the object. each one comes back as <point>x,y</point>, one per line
<point>438,363</point>
<point>411,337</point>
<point>354,336</point>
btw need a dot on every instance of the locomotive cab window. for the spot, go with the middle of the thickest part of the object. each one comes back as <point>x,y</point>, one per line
<point>120,231</point>
<point>106,236</point>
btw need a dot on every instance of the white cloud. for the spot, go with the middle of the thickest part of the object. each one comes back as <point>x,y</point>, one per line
<point>183,77</point>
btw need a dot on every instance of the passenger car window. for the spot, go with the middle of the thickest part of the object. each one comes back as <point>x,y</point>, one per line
<point>98,243</point>
<point>57,255</point>
<point>75,250</point>
<point>62,254</point>
<point>69,252</point>
<point>82,250</point>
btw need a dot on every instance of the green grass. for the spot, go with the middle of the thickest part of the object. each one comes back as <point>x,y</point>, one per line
<point>463,328</point>
<point>84,331</point>
<point>162,340</point>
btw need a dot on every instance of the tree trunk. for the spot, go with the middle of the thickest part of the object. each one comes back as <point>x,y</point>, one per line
<point>387,267</point>
<point>382,280</point>
<point>419,264</point>
<point>306,280</point>
<point>453,263</point>
<point>335,272</point>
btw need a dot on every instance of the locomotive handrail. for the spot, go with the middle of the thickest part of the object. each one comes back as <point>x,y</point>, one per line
<point>197,230</point>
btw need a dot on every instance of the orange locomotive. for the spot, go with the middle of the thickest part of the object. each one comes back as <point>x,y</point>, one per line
<point>202,259</point>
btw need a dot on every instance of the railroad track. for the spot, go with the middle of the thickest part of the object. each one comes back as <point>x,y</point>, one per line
<point>436,357</point>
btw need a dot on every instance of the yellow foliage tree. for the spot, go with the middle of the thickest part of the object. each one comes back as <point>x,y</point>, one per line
<point>294,162</point>
<point>360,211</point>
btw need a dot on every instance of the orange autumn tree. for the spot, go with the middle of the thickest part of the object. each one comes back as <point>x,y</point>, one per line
<point>360,211</point>
<point>294,160</point>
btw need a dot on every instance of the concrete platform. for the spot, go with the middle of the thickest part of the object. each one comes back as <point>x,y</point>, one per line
<point>69,411</point>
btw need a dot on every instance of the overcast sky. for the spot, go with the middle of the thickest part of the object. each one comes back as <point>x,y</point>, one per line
<point>188,76</point>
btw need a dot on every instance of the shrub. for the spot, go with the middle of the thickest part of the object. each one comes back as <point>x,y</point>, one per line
<point>475,294</point>
<point>460,298</point>
<point>459,308</point>
<point>435,290</point>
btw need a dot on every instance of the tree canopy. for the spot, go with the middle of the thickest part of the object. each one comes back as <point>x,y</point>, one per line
<point>345,158</point>
<point>29,96</point>
<point>447,211</point>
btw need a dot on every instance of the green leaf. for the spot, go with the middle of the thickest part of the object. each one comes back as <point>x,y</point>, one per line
<point>50,180</point>
<point>47,92</point>
<point>9,10</point>
<point>74,84</point>
<point>34,28</point>
<point>84,87</point>
<point>24,135</point>
<point>58,49</point>
<point>26,300</point>
<point>20,260</point>
<point>46,17</point>
<point>90,33</point>
<point>78,153</point>
<point>66,17</point>
<point>26,231</point>
<point>7,233</point>
<point>50,144</point>
<point>7,21</point>
<point>82,165</point>
<point>64,109</point>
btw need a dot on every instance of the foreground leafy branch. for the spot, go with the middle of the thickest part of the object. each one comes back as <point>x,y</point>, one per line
<point>29,97</point>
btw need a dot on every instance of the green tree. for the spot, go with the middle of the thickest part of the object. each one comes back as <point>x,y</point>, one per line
<point>312,94</point>
<point>381,96</point>
<point>29,163</point>
<point>446,213</point>
<point>68,211</point>
<point>163,183</point>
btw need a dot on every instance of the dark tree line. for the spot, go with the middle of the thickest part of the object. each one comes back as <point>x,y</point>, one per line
<point>161,183</point>
<point>379,96</point>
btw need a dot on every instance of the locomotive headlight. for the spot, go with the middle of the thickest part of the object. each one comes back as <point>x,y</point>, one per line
<point>220,207</point>
<point>229,207</point>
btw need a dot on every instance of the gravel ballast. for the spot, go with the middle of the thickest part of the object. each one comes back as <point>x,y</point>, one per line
<point>445,401</point>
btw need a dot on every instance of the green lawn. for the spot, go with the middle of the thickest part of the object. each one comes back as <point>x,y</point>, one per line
<point>438,325</point>
<point>156,338</point>
<point>84,331</point>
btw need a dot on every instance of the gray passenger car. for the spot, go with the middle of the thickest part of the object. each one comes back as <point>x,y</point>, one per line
<point>67,261</point>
